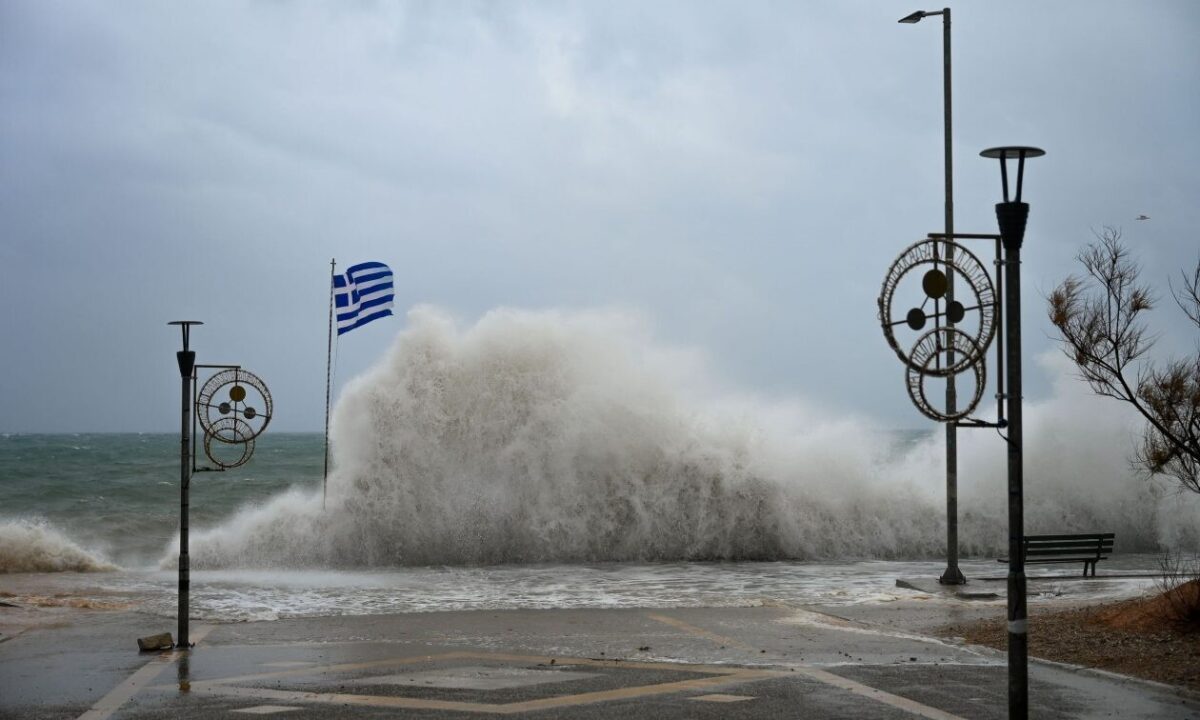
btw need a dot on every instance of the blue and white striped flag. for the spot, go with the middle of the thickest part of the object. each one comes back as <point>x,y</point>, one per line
<point>364,293</point>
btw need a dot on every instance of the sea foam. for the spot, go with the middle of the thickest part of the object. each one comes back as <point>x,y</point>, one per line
<point>36,546</point>
<point>575,437</point>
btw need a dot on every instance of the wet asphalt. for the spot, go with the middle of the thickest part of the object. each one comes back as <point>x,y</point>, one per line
<point>759,662</point>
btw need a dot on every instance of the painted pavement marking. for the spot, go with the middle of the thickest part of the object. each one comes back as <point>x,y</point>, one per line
<point>121,694</point>
<point>477,677</point>
<point>265,709</point>
<point>819,675</point>
<point>867,691</point>
<point>718,697</point>
<point>717,677</point>
<point>498,657</point>
<point>699,631</point>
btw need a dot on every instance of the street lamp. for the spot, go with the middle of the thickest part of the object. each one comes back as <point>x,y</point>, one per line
<point>186,358</point>
<point>228,422</point>
<point>1011,216</point>
<point>952,575</point>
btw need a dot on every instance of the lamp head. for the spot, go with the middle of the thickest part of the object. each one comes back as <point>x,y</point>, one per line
<point>1012,215</point>
<point>186,327</point>
<point>913,18</point>
<point>1003,153</point>
<point>1012,151</point>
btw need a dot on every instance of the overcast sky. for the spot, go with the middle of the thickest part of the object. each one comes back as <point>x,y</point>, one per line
<point>740,174</point>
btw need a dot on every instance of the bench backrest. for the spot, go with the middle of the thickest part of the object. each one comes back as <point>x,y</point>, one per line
<point>1097,545</point>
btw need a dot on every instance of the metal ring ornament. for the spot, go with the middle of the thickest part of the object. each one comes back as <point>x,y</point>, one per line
<point>225,396</point>
<point>230,431</point>
<point>926,351</point>
<point>933,252</point>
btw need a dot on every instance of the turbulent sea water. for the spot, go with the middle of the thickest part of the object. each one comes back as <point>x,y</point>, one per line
<point>114,498</point>
<point>553,460</point>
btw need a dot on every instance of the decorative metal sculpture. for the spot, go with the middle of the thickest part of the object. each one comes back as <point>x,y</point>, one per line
<point>927,353</point>
<point>234,407</point>
<point>944,350</point>
<point>935,254</point>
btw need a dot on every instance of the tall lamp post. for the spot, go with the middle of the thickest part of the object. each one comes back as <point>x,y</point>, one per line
<point>187,364</point>
<point>1011,216</point>
<point>952,575</point>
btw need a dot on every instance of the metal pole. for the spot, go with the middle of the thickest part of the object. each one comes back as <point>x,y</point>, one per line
<point>1012,217</point>
<point>187,364</point>
<point>185,452</point>
<point>952,575</point>
<point>328,366</point>
<point>1001,397</point>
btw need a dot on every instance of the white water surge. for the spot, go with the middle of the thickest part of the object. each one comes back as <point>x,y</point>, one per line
<point>28,546</point>
<point>573,437</point>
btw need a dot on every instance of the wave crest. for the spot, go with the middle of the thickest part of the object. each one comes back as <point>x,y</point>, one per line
<point>35,546</point>
<point>556,437</point>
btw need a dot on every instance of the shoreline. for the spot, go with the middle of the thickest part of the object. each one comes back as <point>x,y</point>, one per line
<point>1060,607</point>
<point>849,656</point>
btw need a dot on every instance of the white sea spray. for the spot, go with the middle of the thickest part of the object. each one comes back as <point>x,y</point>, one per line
<point>36,546</point>
<point>574,437</point>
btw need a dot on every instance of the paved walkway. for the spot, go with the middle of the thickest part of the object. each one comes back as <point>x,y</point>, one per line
<point>767,662</point>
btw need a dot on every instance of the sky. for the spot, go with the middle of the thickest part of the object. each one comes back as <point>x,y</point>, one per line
<point>740,175</point>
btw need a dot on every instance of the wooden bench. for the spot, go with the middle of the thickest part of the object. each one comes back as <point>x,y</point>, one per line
<point>1087,548</point>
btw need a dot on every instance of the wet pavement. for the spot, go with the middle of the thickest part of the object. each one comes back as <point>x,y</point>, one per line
<point>755,662</point>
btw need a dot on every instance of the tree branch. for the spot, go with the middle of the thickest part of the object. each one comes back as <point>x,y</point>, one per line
<point>1099,319</point>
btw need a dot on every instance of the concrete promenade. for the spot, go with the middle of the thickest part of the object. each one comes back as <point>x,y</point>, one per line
<point>761,662</point>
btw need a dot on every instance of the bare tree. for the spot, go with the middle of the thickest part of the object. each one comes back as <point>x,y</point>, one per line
<point>1099,319</point>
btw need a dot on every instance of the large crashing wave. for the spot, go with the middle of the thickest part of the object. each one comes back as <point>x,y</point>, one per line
<point>555,437</point>
<point>35,546</point>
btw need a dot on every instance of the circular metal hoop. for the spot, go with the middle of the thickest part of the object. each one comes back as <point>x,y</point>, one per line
<point>919,257</point>
<point>237,395</point>
<point>230,431</point>
<point>925,352</point>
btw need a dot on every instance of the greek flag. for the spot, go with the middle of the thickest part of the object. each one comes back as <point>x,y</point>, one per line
<point>364,293</point>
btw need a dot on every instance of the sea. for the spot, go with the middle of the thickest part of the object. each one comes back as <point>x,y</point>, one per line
<point>554,460</point>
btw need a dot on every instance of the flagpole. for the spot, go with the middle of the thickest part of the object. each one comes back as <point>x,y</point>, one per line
<point>328,375</point>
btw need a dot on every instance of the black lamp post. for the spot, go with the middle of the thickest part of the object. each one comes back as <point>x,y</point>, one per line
<point>953,575</point>
<point>187,365</point>
<point>1011,216</point>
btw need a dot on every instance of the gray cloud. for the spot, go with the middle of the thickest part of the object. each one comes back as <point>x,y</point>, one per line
<point>742,176</point>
